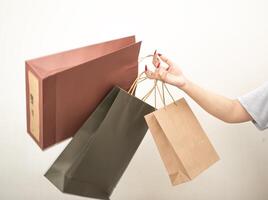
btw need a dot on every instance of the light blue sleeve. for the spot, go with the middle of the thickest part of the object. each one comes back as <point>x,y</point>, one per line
<point>256,104</point>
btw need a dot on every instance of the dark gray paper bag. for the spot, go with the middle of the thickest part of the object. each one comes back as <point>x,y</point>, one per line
<point>97,156</point>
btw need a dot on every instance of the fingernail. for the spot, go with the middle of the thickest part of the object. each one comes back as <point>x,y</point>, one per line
<point>159,54</point>
<point>154,52</point>
<point>145,67</point>
<point>158,65</point>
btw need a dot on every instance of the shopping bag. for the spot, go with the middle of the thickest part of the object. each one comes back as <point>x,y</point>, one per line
<point>181,141</point>
<point>95,159</point>
<point>63,89</point>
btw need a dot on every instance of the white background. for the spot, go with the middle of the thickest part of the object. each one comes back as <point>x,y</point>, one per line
<point>221,45</point>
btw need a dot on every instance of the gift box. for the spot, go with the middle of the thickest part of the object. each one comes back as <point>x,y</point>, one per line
<point>63,89</point>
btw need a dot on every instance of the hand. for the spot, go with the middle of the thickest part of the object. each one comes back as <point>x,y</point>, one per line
<point>171,74</point>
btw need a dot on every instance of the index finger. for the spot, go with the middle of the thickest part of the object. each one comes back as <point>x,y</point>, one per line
<point>165,60</point>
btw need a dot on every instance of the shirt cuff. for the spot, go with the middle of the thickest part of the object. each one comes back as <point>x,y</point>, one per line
<point>255,120</point>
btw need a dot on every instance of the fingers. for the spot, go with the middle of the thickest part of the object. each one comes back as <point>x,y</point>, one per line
<point>158,74</point>
<point>162,74</point>
<point>165,59</point>
<point>156,60</point>
<point>149,73</point>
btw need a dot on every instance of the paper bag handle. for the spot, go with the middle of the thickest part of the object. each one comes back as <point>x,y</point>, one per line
<point>140,78</point>
<point>162,97</point>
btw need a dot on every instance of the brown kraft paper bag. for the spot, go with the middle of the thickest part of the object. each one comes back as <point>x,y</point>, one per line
<point>182,143</point>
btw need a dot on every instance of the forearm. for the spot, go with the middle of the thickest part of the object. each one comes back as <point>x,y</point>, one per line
<point>221,107</point>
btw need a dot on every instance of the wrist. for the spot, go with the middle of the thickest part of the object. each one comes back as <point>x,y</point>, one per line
<point>183,84</point>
